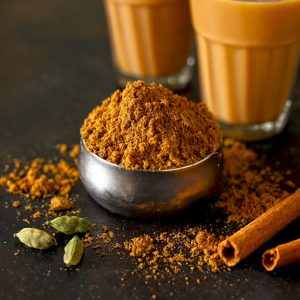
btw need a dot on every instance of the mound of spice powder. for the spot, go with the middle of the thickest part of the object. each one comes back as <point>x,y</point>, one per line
<point>147,127</point>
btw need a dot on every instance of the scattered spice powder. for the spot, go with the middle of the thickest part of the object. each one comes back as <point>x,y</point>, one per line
<point>248,187</point>
<point>140,246</point>
<point>107,236</point>
<point>64,148</point>
<point>171,252</point>
<point>148,127</point>
<point>103,241</point>
<point>88,240</point>
<point>42,179</point>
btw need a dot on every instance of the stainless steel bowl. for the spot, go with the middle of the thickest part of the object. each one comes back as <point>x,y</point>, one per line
<point>147,193</point>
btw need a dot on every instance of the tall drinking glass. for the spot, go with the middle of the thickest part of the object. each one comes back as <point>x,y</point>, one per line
<point>248,52</point>
<point>151,40</point>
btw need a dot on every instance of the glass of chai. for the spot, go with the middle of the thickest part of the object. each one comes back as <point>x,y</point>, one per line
<point>248,53</point>
<point>151,41</point>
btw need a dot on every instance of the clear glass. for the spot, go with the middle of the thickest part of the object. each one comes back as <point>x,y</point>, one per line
<point>177,81</point>
<point>248,62</point>
<point>151,41</point>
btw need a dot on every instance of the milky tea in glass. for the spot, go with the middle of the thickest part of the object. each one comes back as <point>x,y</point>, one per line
<point>151,40</point>
<point>248,53</point>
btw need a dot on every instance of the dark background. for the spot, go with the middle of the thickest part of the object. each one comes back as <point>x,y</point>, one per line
<point>55,66</point>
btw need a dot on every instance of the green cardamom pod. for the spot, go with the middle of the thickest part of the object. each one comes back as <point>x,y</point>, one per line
<point>70,225</point>
<point>36,238</point>
<point>73,252</point>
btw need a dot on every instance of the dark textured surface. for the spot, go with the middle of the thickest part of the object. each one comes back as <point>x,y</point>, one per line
<point>54,67</point>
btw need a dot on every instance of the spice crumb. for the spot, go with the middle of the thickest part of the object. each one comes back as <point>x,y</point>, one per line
<point>37,215</point>
<point>139,246</point>
<point>105,228</point>
<point>62,148</point>
<point>74,151</point>
<point>28,208</point>
<point>60,203</point>
<point>16,203</point>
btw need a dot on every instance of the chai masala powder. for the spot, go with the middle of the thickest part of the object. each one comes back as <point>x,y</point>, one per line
<point>148,127</point>
<point>44,179</point>
<point>249,187</point>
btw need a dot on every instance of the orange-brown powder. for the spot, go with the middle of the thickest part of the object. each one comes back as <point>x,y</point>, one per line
<point>40,178</point>
<point>171,252</point>
<point>148,127</point>
<point>248,187</point>
<point>16,203</point>
<point>60,203</point>
<point>140,246</point>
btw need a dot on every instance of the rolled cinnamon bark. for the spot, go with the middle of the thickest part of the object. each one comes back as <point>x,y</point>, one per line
<point>245,241</point>
<point>282,255</point>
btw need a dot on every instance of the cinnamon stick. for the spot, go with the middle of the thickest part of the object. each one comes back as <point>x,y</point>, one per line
<point>282,255</point>
<point>245,241</point>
